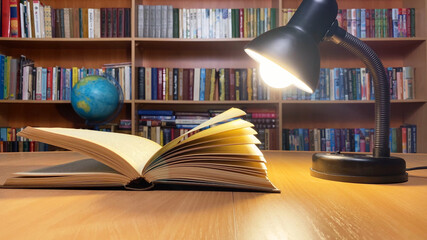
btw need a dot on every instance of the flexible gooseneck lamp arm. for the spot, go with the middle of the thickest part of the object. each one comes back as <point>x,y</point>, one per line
<point>380,80</point>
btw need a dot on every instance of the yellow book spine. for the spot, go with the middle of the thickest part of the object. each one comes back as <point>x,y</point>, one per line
<point>7,79</point>
<point>75,75</point>
<point>249,80</point>
<point>212,90</point>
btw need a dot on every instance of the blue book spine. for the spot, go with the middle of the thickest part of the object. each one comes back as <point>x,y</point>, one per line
<point>333,140</point>
<point>395,21</point>
<point>154,83</point>
<point>358,23</point>
<point>154,117</point>
<point>414,138</point>
<point>44,83</point>
<point>70,86</point>
<point>3,134</point>
<point>342,83</point>
<point>155,112</point>
<point>202,83</point>
<point>363,23</point>
<point>2,57</point>
<point>322,86</point>
<point>356,140</point>
<point>306,140</point>
<point>337,89</point>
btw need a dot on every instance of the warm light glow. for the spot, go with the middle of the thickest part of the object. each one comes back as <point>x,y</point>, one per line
<point>276,76</point>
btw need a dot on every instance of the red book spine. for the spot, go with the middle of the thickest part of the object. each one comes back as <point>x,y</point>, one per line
<point>191,84</point>
<point>344,19</point>
<point>408,22</point>
<point>185,81</point>
<point>390,22</point>
<point>241,23</point>
<point>49,83</point>
<point>5,18</point>
<point>404,140</point>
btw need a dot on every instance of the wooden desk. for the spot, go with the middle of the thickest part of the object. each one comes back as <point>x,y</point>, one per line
<point>307,208</point>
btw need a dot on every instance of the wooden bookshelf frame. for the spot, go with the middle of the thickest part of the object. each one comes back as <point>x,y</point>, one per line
<point>163,52</point>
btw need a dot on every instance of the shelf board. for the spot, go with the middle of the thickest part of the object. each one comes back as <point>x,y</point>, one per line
<point>350,101</point>
<point>66,42</point>
<point>206,102</point>
<point>43,102</point>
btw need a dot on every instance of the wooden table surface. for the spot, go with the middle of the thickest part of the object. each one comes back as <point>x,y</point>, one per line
<point>307,208</point>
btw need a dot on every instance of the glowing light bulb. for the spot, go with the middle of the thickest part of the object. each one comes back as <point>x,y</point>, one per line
<point>275,75</point>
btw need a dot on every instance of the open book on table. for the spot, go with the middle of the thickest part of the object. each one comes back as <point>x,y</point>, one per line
<point>220,152</point>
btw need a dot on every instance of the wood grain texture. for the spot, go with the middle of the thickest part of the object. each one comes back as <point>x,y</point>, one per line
<point>307,208</point>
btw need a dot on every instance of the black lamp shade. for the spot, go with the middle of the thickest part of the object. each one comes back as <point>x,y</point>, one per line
<point>294,47</point>
<point>291,49</point>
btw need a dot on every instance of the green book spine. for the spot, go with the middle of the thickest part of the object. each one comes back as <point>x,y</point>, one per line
<point>233,22</point>
<point>385,23</point>
<point>377,23</point>
<point>273,18</point>
<point>412,22</point>
<point>258,22</point>
<point>175,23</point>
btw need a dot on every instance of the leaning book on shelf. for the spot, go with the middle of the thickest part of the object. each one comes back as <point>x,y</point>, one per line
<point>223,155</point>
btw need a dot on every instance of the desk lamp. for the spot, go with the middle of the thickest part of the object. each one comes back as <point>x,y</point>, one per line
<point>289,55</point>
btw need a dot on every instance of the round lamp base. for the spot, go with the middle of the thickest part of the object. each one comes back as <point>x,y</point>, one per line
<point>358,168</point>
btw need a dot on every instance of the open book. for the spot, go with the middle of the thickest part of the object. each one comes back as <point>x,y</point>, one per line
<point>222,154</point>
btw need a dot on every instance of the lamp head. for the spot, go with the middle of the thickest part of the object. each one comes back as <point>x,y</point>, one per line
<point>289,55</point>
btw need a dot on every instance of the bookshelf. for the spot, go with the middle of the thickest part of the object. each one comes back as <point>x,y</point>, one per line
<point>220,53</point>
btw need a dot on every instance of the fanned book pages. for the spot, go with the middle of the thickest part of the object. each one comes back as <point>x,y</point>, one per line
<point>223,154</point>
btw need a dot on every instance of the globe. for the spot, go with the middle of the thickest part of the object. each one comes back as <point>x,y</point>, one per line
<point>96,98</point>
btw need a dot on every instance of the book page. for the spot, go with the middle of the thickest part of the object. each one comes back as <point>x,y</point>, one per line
<point>81,173</point>
<point>124,153</point>
<point>229,114</point>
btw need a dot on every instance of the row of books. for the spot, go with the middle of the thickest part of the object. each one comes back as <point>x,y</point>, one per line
<point>371,23</point>
<point>10,142</point>
<point>378,23</point>
<point>163,126</point>
<point>402,139</point>
<point>201,84</point>
<point>33,19</point>
<point>168,22</point>
<point>356,84</point>
<point>20,79</point>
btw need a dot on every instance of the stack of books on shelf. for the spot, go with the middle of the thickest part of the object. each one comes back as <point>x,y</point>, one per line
<point>20,79</point>
<point>168,22</point>
<point>10,142</point>
<point>201,84</point>
<point>33,19</point>
<point>378,23</point>
<point>356,84</point>
<point>162,126</point>
<point>371,23</point>
<point>266,124</point>
<point>402,139</point>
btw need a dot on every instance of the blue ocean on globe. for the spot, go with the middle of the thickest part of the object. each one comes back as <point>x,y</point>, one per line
<point>95,98</point>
